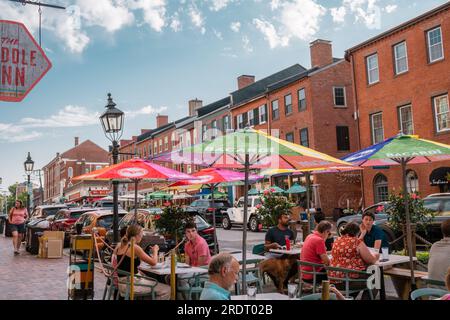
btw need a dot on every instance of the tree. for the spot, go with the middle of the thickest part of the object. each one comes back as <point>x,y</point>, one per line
<point>172,222</point>
<point>273,206</point>
<point>12,196</point>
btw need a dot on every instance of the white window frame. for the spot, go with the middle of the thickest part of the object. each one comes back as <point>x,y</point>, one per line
<point>240,121</point>
<point>160,145</point>
<point>70,172</point>
<point>277,102</point>
<point>396,58</point>
<point>166,143</point>
<point>251,118</point>
<point>345,97</point>
<point>429,46</point>
<point>286,105</point>
<point>155,147</point>
<point>369,80</point>
<point>299,100</point>
<point>438,129</point>
<point>214,129</point>
<point>372,116</point>
<point>401,120</point>
<point>262,111</point>
<point>204,132</point>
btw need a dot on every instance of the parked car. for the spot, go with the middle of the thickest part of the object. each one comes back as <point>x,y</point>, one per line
<point>152,236</point>
<point>379,215</point>
<point>206,208</point>
<point>64,219</point>
<point>43,212</point>
<point>235,215</point>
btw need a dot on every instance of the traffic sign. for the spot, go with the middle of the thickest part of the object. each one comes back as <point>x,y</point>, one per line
<point>23,63</point>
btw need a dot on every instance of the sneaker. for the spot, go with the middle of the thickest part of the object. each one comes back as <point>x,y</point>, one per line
<point>16,253</point>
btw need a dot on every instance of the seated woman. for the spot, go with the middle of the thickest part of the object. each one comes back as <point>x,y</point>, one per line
<point>447,283</point>
<point>123,254</point>
<point>350,252</point>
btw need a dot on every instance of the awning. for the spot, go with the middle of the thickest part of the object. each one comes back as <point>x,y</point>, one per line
<point>440,176</point>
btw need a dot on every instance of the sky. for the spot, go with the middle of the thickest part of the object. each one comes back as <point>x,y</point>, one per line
<point>156,55</point>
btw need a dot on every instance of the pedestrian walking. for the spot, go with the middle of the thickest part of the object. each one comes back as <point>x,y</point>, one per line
<point>17,216</point>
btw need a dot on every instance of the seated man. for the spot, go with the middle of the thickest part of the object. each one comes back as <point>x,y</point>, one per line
<point>196,248</point>
<point>223,274</point>
<point>314,250</point>
<point>372,235</point>
<point>440,255</point>
<point>279,268</point>
<point>319,216</point>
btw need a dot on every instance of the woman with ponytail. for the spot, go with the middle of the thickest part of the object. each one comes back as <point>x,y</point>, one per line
<point>123,254</point>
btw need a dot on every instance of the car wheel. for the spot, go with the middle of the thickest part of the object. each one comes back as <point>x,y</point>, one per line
<point>253,224</point>
<point>341,227</point>
<point>226,223</point>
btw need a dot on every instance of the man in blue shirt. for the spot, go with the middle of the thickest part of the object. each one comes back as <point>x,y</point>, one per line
<point>372,235</point>
<point>223,273</point>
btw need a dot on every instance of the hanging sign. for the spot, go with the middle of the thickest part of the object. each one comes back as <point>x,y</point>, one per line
<point>23,63</point>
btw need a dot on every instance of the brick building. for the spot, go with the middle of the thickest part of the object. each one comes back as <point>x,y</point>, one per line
<point>312,107</point>
<point>81,159</point>
<point>402,84</point>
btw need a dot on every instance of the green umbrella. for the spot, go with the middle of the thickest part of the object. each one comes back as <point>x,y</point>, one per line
<point>275,189</point>
<point>254,192</point>
<point>403,150</point>
<point>296,188</point>
<point>158,195</point>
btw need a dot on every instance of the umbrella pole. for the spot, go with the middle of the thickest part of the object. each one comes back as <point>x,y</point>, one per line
<point>244,235</point>
<point>408,223</point>
<point>308,197</point>
<point>135,199</point>
<point>214,218</point>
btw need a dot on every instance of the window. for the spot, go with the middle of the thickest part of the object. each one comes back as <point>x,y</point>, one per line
<point>188,139</point>
<point>380,188</point>
<point>86,170</point>
<point>189,169</point>
<point>204,129</point>
<point>226,123</point>
<point>275,110</point>
<point>251,118</point>
<point>406,120</point>
<point>290,137</point>
<point>288,104</point>
<point>160,145</point>
<point>401,58</point>
<point>214,129</point>
<point>412,181</point>
<point>339,96</point>
<point>262,114</point>
<point>98,167</point>
<point>372,69</point>
<point>70,172</point>
<point>343,138</point>
<point>155,147</point>
<point>166,143</point>
<point>304,139</point>
<point>442,113</point>
<point>301,99</point>
<point>435,46</point>
<point>377,128</point>
<point>240,121</point>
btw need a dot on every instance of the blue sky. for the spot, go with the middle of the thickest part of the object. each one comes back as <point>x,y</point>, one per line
<point>155,55</point>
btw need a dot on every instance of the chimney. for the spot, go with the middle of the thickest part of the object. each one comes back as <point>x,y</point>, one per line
<point>161,120</point>
<point>193,106</point>
<point>245,81</point>
<point>77,140</point>
<point>321,53</point>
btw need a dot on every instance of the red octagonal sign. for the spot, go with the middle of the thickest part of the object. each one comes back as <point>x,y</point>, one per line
<point>22,61</point>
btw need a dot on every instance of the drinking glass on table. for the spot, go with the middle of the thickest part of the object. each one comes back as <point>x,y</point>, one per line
<point>385,254</point>
<point>251,292</point>
<point>292,291</point>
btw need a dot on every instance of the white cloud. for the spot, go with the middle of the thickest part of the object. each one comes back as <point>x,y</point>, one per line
<point>365,11</point>
<point>338,14</point>
<point>218,34</point>
<point>197,18</point>
<point>10,133</point>
<point>298,19</point>
<point>110,15</point>
<point>235,26</point>
<point>147,110</point>
<point>390,8</point>
<point>218,5</point>
<point>175,25</point>
<point>154,12</point>
<point>69,116</point>
<point>247,46</point>
<point>274,4</point>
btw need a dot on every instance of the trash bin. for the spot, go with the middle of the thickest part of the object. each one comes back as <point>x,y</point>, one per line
<point>8,232</point>
<point>33,234</point>
<point>2,224</point>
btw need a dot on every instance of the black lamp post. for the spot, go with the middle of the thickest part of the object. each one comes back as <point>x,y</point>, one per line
<point>28,166</point>
<point>112,123</point>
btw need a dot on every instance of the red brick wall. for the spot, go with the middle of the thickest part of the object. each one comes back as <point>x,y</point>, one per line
<point>417,87</point>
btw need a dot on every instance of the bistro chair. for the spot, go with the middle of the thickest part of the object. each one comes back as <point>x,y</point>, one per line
<point>253,277</point>
<point>313,272</point>
<point>428,292</point>
<point>192,287</point>
<point>348,281</point>
<point>258,249</point>
<point>434,282</point>
<point>317,296</point>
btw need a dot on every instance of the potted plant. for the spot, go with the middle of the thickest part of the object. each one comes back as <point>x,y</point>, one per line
<point>273,205</point>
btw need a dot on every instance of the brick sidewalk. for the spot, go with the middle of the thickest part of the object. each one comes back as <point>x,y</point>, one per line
<point>26,277</point>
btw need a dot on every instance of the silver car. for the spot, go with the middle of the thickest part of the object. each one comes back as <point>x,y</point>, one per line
<point>379,210</point>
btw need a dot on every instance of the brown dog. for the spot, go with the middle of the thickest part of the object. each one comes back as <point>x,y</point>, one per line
<point>278,270</point>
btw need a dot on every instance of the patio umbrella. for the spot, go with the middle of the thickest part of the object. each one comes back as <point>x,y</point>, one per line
<point>275,189</point>
<point>214,177</point>
<point>403,150</point>
<point>247,148</point>
<point>254,192</point>
<point>158,195</point>
<point>134,170</point>
<point>296,189</point>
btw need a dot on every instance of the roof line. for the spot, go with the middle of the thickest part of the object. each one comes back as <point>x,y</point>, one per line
<point>398,28</point>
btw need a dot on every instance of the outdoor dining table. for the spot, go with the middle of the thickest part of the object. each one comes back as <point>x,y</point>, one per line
<point>263,296</point>
<point>292,252</point>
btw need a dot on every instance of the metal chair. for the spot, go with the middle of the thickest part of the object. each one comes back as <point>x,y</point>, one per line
<point>258,249</point>
<point>428,292</point>
<point>314,273</point>
<point>317,296</point>
<point>348,281</point>
<point>193,286</point>
<point>253,276</point>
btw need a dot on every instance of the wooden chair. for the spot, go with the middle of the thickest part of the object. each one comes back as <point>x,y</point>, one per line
<point>348,281</point>
<point>314,273</point>
<point>428,292</point>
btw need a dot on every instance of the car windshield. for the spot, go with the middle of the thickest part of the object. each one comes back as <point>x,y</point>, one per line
<point>201,224</point>
<point>76,214</point>
<point>106,221</point>
<point>221,204</point>
<point>48,212</point>
<point>432,204</point>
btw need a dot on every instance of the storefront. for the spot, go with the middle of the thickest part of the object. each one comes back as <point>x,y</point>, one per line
<point>440,177</point>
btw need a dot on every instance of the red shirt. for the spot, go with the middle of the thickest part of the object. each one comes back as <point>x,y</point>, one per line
<point>194,251</point>
<point>313,248</point>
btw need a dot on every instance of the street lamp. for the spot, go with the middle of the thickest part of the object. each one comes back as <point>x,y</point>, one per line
<point>28,165</point>
<point>112,123</point>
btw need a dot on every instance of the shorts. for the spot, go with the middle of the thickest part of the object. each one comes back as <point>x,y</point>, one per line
<point>20,228</point>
